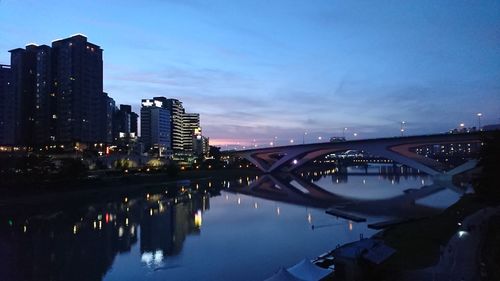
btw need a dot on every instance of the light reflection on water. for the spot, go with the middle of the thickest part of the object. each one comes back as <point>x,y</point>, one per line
<point>193,233</point>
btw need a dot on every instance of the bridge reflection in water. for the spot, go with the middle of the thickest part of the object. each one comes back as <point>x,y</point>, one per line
<point>293,189</point>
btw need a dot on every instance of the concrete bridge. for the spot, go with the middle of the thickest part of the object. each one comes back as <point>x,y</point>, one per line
<point>398,149</point>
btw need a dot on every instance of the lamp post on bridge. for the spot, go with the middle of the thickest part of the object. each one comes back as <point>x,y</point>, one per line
<point>343,132</point>
<point>304,138</point>
<point>402,129</point>
<point>479,115</point>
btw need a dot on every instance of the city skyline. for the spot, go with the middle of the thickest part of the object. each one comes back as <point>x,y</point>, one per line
<point>256,71</point>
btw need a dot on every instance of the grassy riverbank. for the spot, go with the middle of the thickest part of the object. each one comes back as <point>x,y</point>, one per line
<point>418,243</point>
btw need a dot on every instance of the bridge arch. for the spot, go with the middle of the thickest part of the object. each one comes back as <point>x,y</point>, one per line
<point>397,149</point>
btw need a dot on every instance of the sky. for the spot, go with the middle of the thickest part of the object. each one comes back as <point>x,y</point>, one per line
<point>261,71</point>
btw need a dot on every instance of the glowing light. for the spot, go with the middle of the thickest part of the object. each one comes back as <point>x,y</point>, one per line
<point>295,161</point>
<point>278,211</point>
<point>198,219</point>
<point>239,200</point>
<point>350,225</point>
<point>120,231</point>
<point>147,103</point>
<point>126,221</point>
<point>462,233</point>
<point>255,205</point>
<point>74,229</point>
<point>309,218</point>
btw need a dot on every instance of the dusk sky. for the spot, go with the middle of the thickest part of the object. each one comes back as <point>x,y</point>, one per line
<point>260,69</point>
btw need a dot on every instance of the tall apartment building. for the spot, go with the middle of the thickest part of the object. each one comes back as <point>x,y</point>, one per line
<point>156,125</point>
<point>57,93</point>
<point>78,84</point>
<point>23,67</point>
<point>6,106</point>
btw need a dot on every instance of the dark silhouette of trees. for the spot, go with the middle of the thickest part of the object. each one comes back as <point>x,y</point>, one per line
<point>488,183</point>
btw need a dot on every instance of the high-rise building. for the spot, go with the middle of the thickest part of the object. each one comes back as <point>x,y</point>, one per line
<point>23,66</point>
<point>134,118</point>
<point>176,122</point>
<point>57,94</point>
<point>79,90</point>
<point>6,108</point>
<point>45,111</point>
<point>156,126</point>
<point>125,122</point>
<point>108,118</point>
<point>190,123</point>
<point>183,126</point>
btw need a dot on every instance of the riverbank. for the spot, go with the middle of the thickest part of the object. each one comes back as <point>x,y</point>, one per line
<point>418,244</point>
<point>469,255</point>
<point>109,186</point>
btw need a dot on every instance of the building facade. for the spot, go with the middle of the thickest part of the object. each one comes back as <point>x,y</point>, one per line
<point>78,84</point>
<point>190,127</point>
<point>57,94</point>
<point>6,106</point>
<point>156,126</point>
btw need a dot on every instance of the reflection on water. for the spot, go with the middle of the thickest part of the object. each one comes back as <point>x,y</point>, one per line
<point>209,231</point>
<point>372,182</point>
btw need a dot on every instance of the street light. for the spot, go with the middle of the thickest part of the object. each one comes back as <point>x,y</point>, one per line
<point>343,133</point>
<point>320,138</point>
<point>291,141</point>
<point>479,115</point>
<point>304,138</point>
<point>402,127</point>
<point>355,134</point>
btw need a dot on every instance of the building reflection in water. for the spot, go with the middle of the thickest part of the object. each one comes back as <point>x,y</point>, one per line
<point>81,244</point>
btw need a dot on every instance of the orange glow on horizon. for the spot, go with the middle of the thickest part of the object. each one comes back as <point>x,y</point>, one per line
<point>231,142</point>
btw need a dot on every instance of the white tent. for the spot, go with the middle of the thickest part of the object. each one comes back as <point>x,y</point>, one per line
<point>308,271</point>
<point>283,275</point>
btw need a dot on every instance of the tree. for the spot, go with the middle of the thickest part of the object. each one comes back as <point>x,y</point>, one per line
<point>488,183</point>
